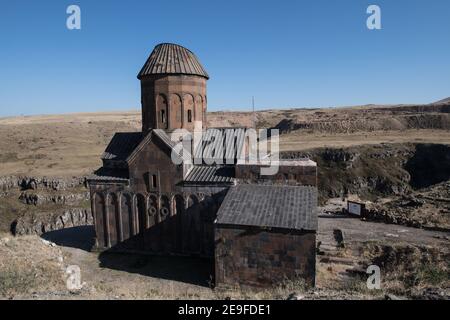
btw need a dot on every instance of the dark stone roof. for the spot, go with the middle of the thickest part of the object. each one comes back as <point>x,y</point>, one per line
<point>169,58</point>
<point>221,144</point>
<point>122,145</point>
<point>165,137</point>
<point>289,207</point>
<point>109,175</point>
<point>218,146</point>
<point>210,174</point>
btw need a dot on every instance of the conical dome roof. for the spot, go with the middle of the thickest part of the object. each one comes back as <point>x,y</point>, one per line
<point>169,58</point>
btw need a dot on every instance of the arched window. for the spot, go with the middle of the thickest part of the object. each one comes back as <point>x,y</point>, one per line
<point>151,181</point>
<point>188,105</point>
<point>161,111</point>
<point>154,181</point>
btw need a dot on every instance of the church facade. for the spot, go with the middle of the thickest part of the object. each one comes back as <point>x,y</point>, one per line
<point>144,200</point>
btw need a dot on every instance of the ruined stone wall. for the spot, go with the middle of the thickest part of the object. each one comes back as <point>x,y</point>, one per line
<point>251,256</point>
<point>287,175</point>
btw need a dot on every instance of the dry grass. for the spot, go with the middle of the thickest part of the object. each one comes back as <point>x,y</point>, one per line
<point>407,267</point>
<point>67,145</point>
<point>300,140</point>
<point>71,144</point>
<point>28,266</point>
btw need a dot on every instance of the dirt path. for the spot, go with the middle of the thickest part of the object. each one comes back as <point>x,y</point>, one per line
<point>129,276</point>
<point>338,262</point>
<point>355,230</point>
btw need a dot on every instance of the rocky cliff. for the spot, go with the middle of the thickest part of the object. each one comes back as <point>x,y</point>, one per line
<point>34,183</point>
<point>39,224</point>
<point>378,170</point>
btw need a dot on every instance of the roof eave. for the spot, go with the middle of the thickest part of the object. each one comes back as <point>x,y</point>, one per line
<point>142,76</point>
<point>263,227</point>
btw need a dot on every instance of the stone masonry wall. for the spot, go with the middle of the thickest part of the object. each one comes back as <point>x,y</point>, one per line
<point>287,175</point>
<point>246,256</point>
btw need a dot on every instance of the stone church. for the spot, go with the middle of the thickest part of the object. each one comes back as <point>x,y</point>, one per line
<point>259,229</point>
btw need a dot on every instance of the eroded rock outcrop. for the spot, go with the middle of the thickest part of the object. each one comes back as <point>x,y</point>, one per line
<point>37,224</point>
<point>428,209</point>
<point>374,171</point>
<point>390,119</point>
<point>40,198</point>
<point>34,183</point>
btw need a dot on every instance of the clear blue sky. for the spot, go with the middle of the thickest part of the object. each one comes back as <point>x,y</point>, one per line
<point>286,53</point>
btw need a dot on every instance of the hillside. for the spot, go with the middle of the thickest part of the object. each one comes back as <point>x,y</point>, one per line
<point>443,101</point>
<point>71,145</point>
<point>394,158</point>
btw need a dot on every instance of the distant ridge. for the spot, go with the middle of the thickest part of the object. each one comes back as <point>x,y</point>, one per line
<point>443,101</point>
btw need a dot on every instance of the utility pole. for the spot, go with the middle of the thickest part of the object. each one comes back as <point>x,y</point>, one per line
<point>253,112</point>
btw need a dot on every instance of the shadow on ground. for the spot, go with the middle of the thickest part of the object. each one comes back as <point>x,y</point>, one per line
<point>197,271</point>
<point>76,237</point>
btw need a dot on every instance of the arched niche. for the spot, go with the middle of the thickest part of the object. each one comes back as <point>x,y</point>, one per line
<point>198,108</point>
<point>176,111</point>
<point>178,211</point>
<point>126,203</point>
<point>141,212</point>
<point>204,112</point>
<point>153,210</point>
<point>178,205</point>
<point>164,211</point>
<point>161,111</point>
<point>99,207</point>
<point>113,219</point>
<point>192,200</point>
<point>192,240</point>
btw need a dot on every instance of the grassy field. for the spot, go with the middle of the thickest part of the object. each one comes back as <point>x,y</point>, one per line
<point>298,141</point>
<point>66,145</point>
<point>71,144</point>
